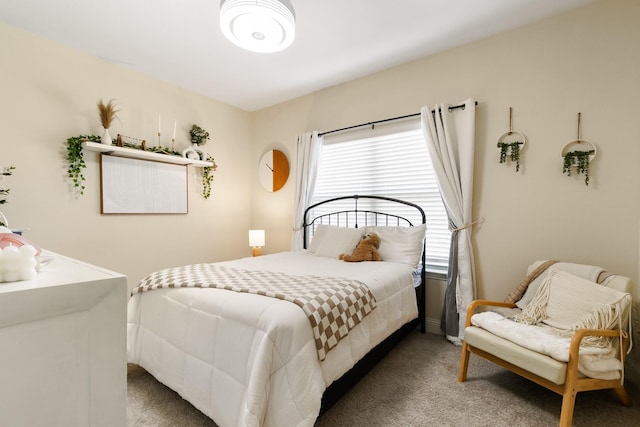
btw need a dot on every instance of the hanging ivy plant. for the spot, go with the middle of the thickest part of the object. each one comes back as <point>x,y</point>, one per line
<point>4,192</point>
<point>207,176</point>
<point>200,137</point>
<point>513,150</point>
<point>579,159</point>
<point>76,160</point>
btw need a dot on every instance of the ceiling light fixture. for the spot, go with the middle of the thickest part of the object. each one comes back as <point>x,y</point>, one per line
<point>258,25</point>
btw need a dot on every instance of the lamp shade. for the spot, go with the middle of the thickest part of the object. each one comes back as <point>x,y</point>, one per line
<point>258,25</point>
<point>256,238</point>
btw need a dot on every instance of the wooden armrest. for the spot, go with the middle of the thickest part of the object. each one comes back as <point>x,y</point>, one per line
<point>574,348</point>
<point>481,302</point>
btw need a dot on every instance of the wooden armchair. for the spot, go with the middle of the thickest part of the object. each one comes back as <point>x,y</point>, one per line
<point>560,377</point>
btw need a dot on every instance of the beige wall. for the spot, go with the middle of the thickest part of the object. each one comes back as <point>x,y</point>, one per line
<point>582,61</point>
<point>49,93</point>
<point>277,127</point>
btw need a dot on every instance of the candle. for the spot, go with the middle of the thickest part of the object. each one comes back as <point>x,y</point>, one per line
<point>175,123</point>
<point>17,263</point>
<point>159,123</point>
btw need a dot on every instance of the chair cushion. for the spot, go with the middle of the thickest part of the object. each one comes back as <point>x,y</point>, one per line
<point>536,363</point>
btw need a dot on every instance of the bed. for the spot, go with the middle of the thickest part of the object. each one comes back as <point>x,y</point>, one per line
<point>264,341</point>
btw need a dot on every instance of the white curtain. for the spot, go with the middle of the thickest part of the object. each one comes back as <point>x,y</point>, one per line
<point>306,170</point>
<point>449,134</point>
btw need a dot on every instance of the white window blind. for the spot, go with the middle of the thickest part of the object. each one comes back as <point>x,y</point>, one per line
<point>390,161</point>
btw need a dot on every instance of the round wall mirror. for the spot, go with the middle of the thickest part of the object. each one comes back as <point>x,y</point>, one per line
<point>273,170</point>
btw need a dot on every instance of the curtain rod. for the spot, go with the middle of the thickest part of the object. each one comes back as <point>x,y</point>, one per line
<point>372,124</point>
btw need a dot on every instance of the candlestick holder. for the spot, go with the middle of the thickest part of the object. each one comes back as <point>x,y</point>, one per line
<point>173,141</point>
<point>159,145</point>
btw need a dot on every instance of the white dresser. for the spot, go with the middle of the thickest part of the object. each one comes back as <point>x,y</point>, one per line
<point>63,347</point>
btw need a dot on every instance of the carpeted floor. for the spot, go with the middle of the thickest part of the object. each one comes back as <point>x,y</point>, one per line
<point>415,385</point>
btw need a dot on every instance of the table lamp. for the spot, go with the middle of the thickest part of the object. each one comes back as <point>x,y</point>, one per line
<point>256,240</point>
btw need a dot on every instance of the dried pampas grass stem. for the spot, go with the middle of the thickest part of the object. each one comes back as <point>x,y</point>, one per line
<point>107,113</point>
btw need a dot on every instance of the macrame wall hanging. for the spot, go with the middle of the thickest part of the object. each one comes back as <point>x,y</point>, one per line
<point>578,154</point>
<point>511,144</point>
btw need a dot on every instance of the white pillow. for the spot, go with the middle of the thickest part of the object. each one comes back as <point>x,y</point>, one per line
<point>400,244</point>
<point>334,240</point>
<point>589,272</point>
<point>318,236</point>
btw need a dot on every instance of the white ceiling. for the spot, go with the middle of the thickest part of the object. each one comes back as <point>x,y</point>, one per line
<point>179,41</point>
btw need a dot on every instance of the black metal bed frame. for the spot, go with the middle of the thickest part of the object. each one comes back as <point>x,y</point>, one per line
<point>346,217</point>
<point>354,218</point>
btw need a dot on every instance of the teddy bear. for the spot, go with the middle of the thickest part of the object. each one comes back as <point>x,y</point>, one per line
<point>367,250</point>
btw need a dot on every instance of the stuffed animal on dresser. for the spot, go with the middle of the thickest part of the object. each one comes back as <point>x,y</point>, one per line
<point>367,250</point>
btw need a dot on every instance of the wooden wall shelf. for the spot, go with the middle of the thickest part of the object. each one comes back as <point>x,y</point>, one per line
<point>143,155</point>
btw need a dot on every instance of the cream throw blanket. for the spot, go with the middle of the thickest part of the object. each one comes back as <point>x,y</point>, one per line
<point>567,303</point>
<point>590,272</point>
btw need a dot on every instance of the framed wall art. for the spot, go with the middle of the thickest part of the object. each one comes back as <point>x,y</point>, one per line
<point>134,186</point>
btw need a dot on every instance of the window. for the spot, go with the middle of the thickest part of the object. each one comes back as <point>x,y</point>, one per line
<point>392,161</point>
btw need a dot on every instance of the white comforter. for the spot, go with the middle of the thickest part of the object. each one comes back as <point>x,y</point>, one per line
<point>249,360</point>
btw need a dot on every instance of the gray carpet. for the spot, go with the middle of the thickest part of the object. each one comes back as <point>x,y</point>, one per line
<point>415,385</point>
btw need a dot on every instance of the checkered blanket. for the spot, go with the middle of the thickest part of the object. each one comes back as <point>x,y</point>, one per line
<point>333,305</point>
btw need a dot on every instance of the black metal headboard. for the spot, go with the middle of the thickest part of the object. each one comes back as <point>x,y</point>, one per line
<point>361,211</point>
<point>345,212</point>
